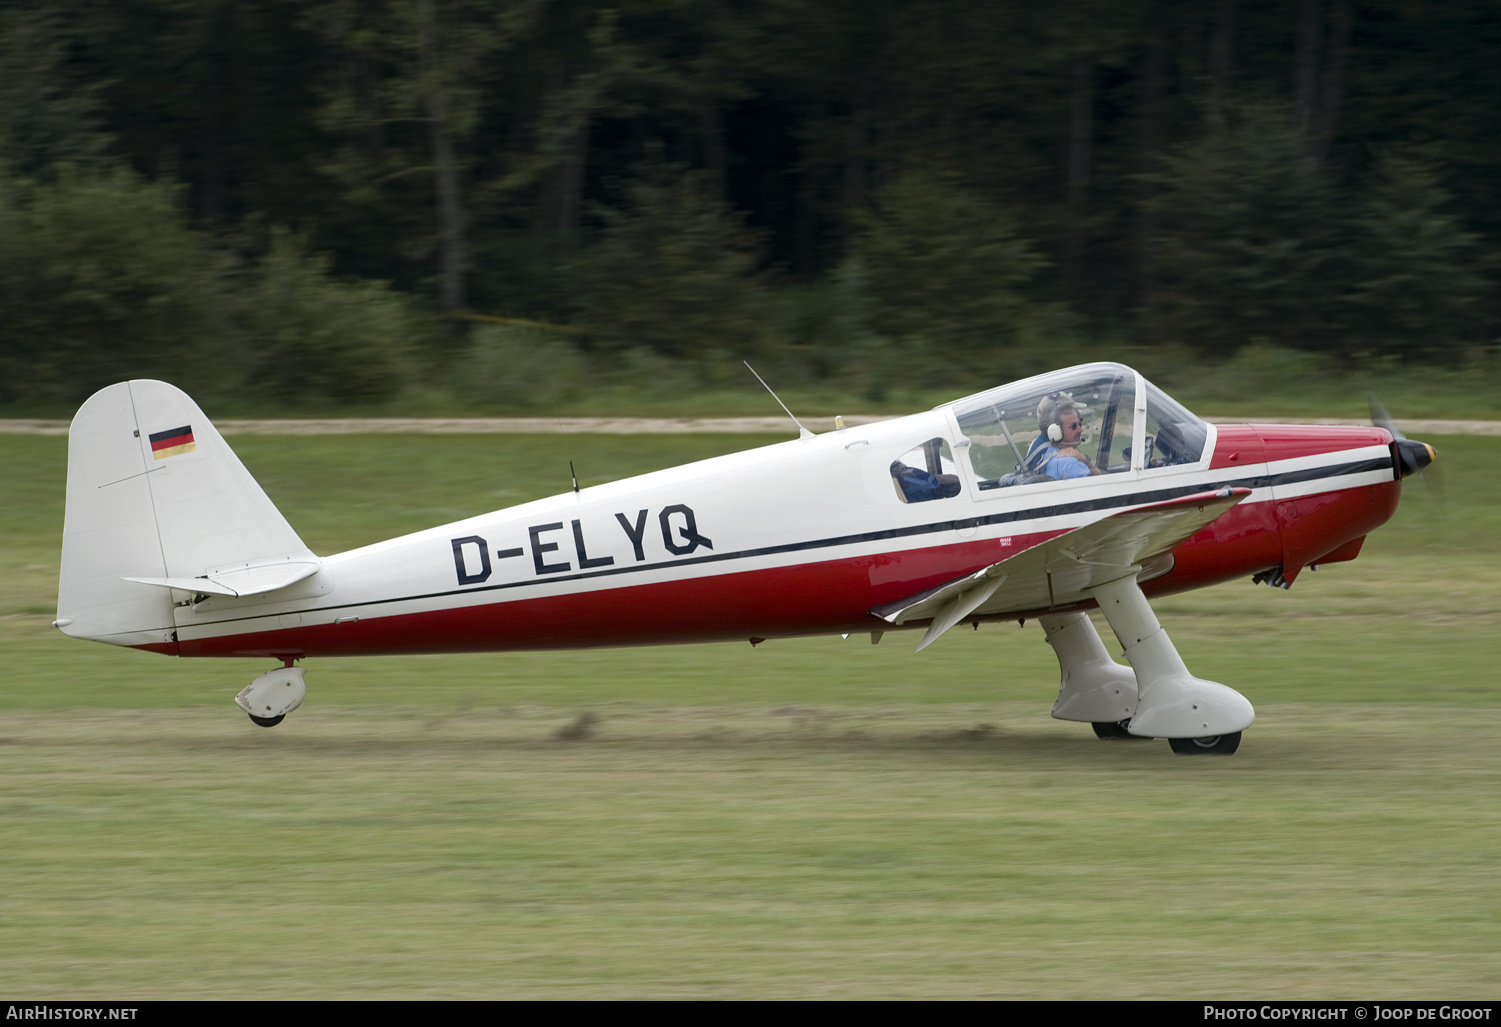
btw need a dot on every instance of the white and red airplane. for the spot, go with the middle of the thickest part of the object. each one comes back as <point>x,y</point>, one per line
<point>1086,487</point>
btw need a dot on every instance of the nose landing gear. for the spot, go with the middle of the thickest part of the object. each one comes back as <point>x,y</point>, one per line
<point>1213,745</point>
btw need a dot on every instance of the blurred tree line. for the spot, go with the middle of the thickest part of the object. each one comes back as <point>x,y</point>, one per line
<point>315,198</point>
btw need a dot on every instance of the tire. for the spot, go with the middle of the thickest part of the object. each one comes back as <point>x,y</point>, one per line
<point>1214,745</point>
<point>268,721</point>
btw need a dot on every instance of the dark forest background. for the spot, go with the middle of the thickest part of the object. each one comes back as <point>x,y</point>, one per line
<point>513,203</point>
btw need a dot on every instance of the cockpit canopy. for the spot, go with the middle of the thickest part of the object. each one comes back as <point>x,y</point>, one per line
<point>1075,423</point>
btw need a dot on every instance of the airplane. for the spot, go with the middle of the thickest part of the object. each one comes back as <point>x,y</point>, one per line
<point>1084,488</point>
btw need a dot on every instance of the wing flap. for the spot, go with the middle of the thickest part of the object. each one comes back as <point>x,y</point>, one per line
<point>961,606</point>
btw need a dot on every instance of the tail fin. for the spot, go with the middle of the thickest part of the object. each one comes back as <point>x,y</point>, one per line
<point>159,508</point>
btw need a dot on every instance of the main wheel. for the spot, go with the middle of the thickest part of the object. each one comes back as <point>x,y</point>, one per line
<point>1111,730</point>
<point>268,721</point>
<point>1217,745</point>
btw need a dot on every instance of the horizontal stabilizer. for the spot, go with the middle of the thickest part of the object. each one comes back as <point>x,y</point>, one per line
<point>248,580</point>
<point>1060,571</point>
<point>200,585</point>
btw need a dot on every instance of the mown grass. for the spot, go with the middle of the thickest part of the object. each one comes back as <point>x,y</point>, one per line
<point>882,851</point>
<point>815,817</point>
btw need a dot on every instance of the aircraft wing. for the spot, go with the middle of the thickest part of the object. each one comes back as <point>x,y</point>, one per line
<point>1060,571</point>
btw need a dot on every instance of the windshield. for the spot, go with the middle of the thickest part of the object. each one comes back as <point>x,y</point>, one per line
<point>1068,424</point>
<point>1174,436</point>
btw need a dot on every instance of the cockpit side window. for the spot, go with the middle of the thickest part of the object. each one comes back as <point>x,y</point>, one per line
<point>926,472</point>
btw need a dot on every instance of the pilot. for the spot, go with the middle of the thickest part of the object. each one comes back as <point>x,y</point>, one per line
<point>1059,456</point>
<point>1046,409</point>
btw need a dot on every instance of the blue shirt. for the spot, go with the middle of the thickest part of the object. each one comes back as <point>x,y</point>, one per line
<point>1061,467</point>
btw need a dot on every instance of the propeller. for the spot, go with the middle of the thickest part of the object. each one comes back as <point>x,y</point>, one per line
<point>1413,455</point>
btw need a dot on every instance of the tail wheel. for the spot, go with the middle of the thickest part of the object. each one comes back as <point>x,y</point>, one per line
<point>1214,745</point>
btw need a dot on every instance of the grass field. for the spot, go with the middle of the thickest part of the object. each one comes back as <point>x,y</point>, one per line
<point>810,818</point>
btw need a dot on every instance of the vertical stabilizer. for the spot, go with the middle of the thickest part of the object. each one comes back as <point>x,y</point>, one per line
<point>154,492</point>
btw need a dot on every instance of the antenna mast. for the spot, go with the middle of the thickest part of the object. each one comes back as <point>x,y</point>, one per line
<point>802,433</point>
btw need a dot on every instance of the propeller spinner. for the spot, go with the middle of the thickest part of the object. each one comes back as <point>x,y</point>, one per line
<point>1411,454</point>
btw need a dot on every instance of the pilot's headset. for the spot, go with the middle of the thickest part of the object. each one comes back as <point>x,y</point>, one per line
<point>1055,416</point>
<point>1047,419</point>
<point>1048,410</point>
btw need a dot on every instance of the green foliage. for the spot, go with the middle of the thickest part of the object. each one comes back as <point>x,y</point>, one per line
<point>310,335</point>
<point>507,156</point>
<point>1247,237</point>
<point>1259,245</point>
<point>509,366</point>
<point>1419,285</point>
<point>674,271</point>
<point>100,280</point>
<point>46,116</point>
<point>646,372</point>
<point>942,263</point>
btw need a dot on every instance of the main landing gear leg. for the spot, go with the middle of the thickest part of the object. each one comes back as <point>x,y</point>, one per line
<point>1196,716</point>
<point>1093,687</point>
<point>270,697</point>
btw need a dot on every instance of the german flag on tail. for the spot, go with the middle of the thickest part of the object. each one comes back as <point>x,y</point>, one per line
<point>172,442</point>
